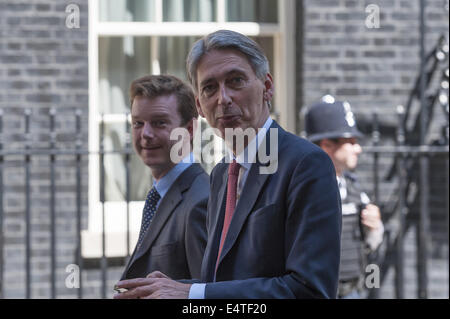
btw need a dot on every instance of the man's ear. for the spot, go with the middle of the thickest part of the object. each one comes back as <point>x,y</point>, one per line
<point>268,87</point>
<point>191,126</point>
<point>199,108</point>
<point>327,145</point>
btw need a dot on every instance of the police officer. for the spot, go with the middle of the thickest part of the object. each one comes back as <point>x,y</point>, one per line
<point>331,125</point>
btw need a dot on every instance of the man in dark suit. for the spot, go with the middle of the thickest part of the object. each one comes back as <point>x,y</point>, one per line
<point>273,225</point>
<point>173,231</point>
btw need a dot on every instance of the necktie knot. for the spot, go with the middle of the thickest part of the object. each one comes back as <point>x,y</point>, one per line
<point>153,196</point>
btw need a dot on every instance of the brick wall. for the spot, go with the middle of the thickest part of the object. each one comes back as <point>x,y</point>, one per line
<point>375,69</point>
<point>43,65</point>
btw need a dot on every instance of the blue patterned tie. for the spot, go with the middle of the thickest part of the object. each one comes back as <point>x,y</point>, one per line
<point>149,210</point>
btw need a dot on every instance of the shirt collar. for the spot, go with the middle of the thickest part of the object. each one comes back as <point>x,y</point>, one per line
<point>342,184</point>
<point>252,147</point>
<point>163,185</point>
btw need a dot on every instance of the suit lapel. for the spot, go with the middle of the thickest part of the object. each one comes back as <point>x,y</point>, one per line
<point>252,188</point>
<point>127,267</point>
<point>221,201</point>
<point>250,193</point>
<point>165,209</point>
<point>217,214</point>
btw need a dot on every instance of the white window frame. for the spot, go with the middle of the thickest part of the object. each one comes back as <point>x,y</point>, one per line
<point>283,34</point>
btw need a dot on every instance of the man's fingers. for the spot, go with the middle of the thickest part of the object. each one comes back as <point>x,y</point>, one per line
<point>139,288</point>
<point>157,274</point>
<point>370,224</point>
<point>155,288</point>
<point>130,294</point>
<point>141,292</point>
<point>373,222</point>
<point>372,209</point>
<point>133,283</point>
<point>371,214</point>
<point>154,295</point>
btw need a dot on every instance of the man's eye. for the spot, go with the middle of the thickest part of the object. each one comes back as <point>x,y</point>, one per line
<point>208,89</point>
<point>159,123</point>
<point>237,81</point>
<point>137,124</point>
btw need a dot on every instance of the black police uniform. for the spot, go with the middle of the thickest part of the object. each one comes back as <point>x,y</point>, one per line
<point>353,248</point>
<point>330,119</point>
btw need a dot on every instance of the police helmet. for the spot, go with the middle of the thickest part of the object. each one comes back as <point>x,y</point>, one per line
<point>330,119</point>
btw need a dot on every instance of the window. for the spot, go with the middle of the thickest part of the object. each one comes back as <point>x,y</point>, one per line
<point>132,38</point>
<point>265,11</point>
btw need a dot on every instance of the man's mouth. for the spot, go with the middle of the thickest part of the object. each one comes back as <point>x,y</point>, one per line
<point>229,118</point>
<point>150,148</point>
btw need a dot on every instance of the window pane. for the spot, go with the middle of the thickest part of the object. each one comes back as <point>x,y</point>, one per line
<point>115,167</point>
<point>127,10</point>
<point>267,45</point>
<point>172,55</point>
<point>252,11</point>
<point>121,60</point>
<point>189,10</point>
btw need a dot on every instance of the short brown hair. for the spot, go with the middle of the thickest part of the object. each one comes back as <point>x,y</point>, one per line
<point>152,86</point>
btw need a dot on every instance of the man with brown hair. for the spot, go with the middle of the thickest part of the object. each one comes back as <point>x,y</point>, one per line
<point>172,238</point>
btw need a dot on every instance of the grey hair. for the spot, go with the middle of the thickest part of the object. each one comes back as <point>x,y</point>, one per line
<point>226,39</point>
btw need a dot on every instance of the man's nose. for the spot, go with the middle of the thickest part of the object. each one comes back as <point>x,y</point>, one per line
<point>147,131</point>
<point>224,96</point>
<point>357,148</point>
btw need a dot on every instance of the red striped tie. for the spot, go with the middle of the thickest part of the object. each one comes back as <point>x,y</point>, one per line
<point>233,173</point>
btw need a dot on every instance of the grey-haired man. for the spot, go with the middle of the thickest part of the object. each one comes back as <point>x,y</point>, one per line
<point>273,235</point>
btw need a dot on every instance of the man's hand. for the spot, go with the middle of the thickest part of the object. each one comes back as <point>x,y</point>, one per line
<point>155,286</point>
<point>371,217</point>
<point>157,274</point>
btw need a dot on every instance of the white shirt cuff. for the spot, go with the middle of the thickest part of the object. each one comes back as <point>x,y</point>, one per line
<point>197,291</point>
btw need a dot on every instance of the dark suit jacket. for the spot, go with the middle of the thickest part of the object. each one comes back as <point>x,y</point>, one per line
<point>284,237</point>
<point>175,241</point>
